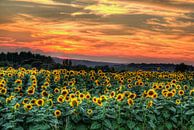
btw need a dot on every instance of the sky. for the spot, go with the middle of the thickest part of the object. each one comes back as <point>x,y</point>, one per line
<point>119,31</point>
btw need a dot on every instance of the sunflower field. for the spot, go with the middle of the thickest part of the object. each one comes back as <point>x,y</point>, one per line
<point>79,100</point>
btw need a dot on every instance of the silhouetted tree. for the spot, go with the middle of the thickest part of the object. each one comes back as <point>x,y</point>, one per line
<point>181,67</point>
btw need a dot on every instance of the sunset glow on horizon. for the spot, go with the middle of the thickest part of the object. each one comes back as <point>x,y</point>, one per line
<point>127,31</point>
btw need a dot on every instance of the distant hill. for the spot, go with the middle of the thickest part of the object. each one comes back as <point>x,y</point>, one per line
<point>125,67</point>
<point>86,62</point>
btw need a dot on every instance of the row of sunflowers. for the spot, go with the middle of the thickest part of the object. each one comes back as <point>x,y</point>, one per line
<point>79,100</point>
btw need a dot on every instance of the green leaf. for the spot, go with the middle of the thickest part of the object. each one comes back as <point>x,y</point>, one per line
<point>130,124</point>
<point>98,117</point>
<point>108,124</point>
<point>152,116</point>
<point>111,116</point>
<point>152,125</point>
<point>192,120</point>
<point>137,128</point>
<point>68,125</point>
<point>69,112</point>
<point>75,118</point>
<point>166,115</point>
<point>81,127</point>
<point>174,119</point>
<point>18,128</point>
<point>8,126</point>
<point>160,127</point>
<point>157,112</point>
<point>139,118</point>
<point>189,112</point>
<point>95,125</point>
<point>121,128</point>
<point>172,109</point>
<point>9,116</point>
<point>168,125</point>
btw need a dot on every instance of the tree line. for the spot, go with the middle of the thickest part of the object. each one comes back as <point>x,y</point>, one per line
<point>29,60</point>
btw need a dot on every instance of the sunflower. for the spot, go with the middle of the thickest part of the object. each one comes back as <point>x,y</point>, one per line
<point>88,96</point>
<point>30,91</point>
<point>174,91</point>
<point>50,101</point>
<point>81,96</point>
<point>97,82</point>
<point>112,94</point>
<point>17,89</point>
<point>120,97</point>
<point>141,83</point>
<point>164,92</point>
<point>46,84</point>
<point>44,87</point>
<point>1,85</point>
<point>105,91</point>
<point>178,101</point>
<point>99,102</point>
<point>57,113</point>
<point>3,91</point>
<point>44,93</point>
<point>92,78</point>
<point>21,94</point>
<point>181,92</point>
<point>77,93</point>
<point>132,95</point>
<point>56,90</point>
<point>103,97</point>
<point>129,86</point>
<point>72,95</point>
<point>9,75</point>
<point>155,95</point>
<point>70,83</point>
<point>191,92</point>
<point>173,81</point>
<point>28,106</point>
<point>25,101</point>
<point>94,99</point>
<point>67,99</point>
<point>129,80</point>
<point>167,87</point>
<point>33,101</point>
<point>178,87</point>
<point>144,94</point>
<point>8,100</point>
<point>16,106</point>
<point>40,102</point>
<point>150,104</point>
<point>18,81</point>
<point>186,87</point>
<point>151,92</point>
<point>130,101</point>
<point>60,99</point>
<point>74,102</point>
<point>160,87</point>
<point>74,89</point>
<point>89,112</point>
<point>170,94</point>
<point>20,87</point>
<point>126,93</point>
<point>64,92</point>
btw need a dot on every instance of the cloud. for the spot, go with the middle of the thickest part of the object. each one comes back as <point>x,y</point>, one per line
<point>106,30</point>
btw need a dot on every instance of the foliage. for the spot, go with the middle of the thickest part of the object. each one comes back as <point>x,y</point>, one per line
<point>72,100</point>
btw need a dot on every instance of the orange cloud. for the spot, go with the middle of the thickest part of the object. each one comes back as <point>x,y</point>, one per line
<point>164,38</point>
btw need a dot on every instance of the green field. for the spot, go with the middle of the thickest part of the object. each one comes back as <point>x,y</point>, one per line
<point>79,100</point>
